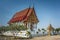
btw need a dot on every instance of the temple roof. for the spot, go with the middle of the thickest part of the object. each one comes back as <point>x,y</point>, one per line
<point>50,27</point>
<point>22,15</point>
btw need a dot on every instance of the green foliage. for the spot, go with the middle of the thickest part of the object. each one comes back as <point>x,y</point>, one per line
<point>43,31</point>
<point>2,28</point>
<point>12,27</point>
<point>57,29</point>
<point>28,33</point>
<point>20,27</point>
<point>39,30</point>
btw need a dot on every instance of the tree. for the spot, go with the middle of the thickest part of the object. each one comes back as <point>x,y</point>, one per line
<point>18,27</point>
<point>12,27</point>
<point>43,30</point>
<point>39,30</point>
<point>57,30</point>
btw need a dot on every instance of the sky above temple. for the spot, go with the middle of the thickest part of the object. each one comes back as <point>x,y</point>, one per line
<point>47,11</point>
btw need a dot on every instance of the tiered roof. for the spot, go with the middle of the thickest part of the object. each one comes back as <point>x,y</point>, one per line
<point>22,15</point>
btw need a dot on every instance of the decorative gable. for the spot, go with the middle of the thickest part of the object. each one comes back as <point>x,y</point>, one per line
<point>26,15</point>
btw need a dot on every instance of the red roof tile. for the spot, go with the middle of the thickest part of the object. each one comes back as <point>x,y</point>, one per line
<point>21,16</point>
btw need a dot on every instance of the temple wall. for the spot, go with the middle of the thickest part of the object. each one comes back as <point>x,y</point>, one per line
<point>34,28</point>
<point>28,26</point>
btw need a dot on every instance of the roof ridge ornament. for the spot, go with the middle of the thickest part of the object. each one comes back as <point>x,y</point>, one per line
<point>31,4</point>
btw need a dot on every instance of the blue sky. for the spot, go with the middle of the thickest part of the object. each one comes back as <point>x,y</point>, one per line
<point>47,11</point>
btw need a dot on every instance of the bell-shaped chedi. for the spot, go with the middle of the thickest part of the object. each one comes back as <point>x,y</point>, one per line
<point>27,17</point>
<point>50,29</point>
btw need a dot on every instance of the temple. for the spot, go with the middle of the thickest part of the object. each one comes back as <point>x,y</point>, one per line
<point>26,17</point>
<point>50,30</point>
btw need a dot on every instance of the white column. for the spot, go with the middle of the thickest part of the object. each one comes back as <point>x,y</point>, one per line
<point>35,26</point>
<point>28,26</point>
